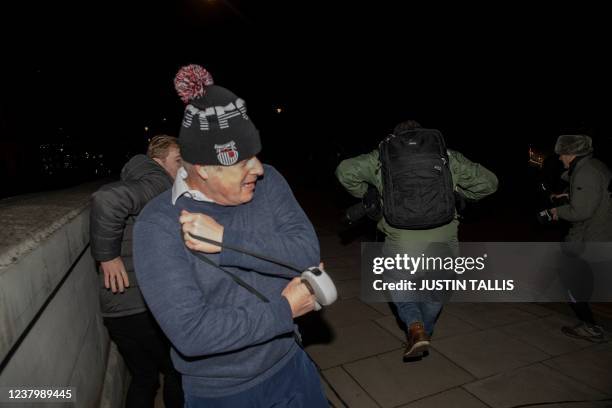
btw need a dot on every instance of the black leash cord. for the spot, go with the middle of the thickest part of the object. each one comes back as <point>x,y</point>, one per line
<point>236,279</point>
<point>247,252</point>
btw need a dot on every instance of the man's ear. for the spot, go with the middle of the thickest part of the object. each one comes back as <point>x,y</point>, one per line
<point>159,161</point>
<point>162,163</point>
<point>202,172</point>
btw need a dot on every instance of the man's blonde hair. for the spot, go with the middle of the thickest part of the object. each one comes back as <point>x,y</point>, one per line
<point>160,145</point>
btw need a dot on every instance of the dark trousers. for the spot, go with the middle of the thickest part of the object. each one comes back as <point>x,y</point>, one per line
<point>146,352</point>
<point>296,385</point>
<point>583,312</point>
<point>577,276</point>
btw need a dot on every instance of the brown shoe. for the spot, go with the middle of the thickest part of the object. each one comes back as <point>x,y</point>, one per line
<point>418,341</point>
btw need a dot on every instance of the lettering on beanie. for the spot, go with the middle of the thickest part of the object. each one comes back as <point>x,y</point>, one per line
<point>223,114</point>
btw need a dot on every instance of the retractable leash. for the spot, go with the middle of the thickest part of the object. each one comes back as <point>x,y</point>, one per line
<point>316,279</point>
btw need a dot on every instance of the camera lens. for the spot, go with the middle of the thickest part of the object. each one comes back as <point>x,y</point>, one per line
<point>355,213</point>
<point>544,217</point>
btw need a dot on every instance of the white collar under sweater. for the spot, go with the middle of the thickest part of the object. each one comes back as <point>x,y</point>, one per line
<point>180,188</point>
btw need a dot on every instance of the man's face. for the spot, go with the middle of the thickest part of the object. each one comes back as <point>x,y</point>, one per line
<point>567,159</point>
<point>172,162</point>
<point>234,185</point>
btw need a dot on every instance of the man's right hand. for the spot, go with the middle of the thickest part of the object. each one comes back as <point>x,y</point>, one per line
<point>299,297</point>
<point>555,214</point>
<point>115,275</point>
<point>204,226</point>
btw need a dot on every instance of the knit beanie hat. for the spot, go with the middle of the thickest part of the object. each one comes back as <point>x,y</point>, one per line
<point>405,126</point>
<point>215,129</point>
<point>580,145</point>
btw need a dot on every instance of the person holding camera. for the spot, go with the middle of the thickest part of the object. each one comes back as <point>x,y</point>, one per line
<point>588,208</point>
<point>455,174</point>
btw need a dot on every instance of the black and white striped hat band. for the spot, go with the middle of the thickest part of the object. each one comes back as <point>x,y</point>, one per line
<point>222,113</point>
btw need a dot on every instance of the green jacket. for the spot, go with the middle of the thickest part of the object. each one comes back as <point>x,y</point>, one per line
<point>470,179</point>
<point>590,208</point>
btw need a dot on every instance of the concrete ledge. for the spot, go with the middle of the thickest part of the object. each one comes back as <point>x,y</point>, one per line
<point>51,329</point>
<point>42,236</point>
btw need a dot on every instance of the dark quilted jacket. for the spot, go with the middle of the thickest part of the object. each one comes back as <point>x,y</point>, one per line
<point>114,208</point>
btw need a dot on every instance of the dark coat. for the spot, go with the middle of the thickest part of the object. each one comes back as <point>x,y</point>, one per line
<point>114,208</point>
<point>590,207</point>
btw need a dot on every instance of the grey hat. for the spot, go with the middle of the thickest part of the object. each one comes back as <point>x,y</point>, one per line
<point>580,145</point>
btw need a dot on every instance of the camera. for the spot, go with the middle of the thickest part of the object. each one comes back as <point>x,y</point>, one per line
<point>545,217</point>
<point>369,205</point>
<point>551,201</point>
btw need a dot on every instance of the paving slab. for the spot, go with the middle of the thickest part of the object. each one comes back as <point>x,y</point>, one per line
<point>348,312</point>
<point>456,398</point>
<point>342,273</point>
<point>341,255</point>
<point>488,315</point>
<point>331,396</point>
<point>351,393</point>
<point>591,404</point>
<point>592,366</point>
<point>449,325</point>
<point>530,385</point>
<point>349,289</point>
<point>332,247</point>
<point>352,343</point>
<point>534,308</point>
<point>391,325</point>
<point>488,352</point>
<point>381,307</point>
<point>392,382</point>
<point>545,334</point>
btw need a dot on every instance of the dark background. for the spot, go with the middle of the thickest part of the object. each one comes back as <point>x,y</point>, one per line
<point>80,82</point>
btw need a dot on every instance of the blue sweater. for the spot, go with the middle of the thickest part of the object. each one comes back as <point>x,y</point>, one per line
<point>225,339</point>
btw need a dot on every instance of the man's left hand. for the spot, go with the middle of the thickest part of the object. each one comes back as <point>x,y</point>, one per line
<point>204,226</point>
<point>555,216</point>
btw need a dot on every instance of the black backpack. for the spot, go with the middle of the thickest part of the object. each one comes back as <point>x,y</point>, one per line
<point>417,182</point>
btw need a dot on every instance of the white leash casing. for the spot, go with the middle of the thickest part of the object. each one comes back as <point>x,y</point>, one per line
<point>322,286</point>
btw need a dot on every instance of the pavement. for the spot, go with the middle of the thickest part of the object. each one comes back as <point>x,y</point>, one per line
<point>482,355</point>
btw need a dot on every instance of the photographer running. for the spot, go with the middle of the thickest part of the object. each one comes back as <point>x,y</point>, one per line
<point>454,173</point>
<point>589,210</point>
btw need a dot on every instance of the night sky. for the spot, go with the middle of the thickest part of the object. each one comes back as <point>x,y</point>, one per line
<point>90,76</point>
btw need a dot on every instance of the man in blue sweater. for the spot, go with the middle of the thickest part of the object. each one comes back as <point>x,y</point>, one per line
<point>232,348</point>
